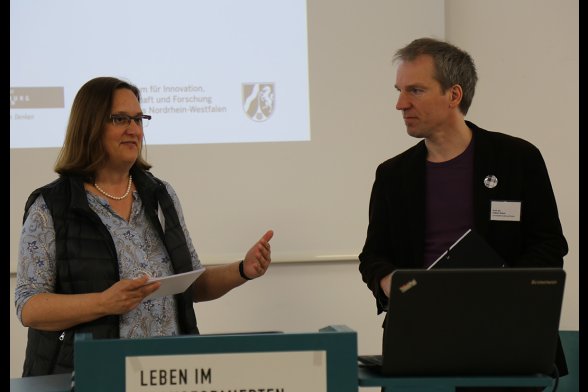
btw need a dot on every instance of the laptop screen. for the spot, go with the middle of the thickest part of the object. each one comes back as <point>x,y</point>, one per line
<point>478,321</point>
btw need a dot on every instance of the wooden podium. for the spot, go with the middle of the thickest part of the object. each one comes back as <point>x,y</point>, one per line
<point>322,361</point>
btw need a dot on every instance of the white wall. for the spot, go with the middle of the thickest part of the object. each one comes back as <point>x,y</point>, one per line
<point>527,56</point>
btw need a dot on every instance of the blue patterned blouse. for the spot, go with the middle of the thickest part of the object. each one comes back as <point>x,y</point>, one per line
<point>139,250</point>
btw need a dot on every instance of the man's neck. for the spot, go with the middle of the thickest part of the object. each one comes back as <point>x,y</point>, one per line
<point>446,145</point>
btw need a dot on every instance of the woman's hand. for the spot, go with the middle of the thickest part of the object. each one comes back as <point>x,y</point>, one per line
<point>259,257</point>
<point>126,294</point>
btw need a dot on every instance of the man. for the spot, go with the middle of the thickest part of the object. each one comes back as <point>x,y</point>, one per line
<point>459,176</point>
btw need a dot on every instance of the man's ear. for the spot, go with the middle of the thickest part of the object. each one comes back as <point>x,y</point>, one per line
<point>456,93</point>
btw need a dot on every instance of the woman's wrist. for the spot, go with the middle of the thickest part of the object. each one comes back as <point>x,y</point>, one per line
<point>242,271</point>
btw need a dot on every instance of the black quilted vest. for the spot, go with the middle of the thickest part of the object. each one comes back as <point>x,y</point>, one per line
<point>87,263</point>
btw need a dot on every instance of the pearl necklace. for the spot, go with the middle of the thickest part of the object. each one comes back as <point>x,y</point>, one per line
<point>116,197</point>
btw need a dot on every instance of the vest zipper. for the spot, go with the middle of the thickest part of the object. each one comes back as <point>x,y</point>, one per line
<point>61,338</point>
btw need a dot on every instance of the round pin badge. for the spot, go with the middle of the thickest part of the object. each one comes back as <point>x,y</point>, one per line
<point>490,181</point>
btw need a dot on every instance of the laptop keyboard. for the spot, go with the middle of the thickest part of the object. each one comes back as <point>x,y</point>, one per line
<point>370,360</point>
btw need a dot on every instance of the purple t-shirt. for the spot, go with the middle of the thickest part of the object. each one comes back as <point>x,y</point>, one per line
<point>449,202</point>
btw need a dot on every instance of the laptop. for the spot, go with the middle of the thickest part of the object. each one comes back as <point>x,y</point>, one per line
<point>477,321</point>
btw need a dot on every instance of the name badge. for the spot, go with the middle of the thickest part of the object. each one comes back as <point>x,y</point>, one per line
<point>505,211</point>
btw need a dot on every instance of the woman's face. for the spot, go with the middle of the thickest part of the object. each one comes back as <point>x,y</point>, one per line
<point>123,137</point>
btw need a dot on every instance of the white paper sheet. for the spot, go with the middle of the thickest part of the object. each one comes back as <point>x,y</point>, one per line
<point>174,284</point>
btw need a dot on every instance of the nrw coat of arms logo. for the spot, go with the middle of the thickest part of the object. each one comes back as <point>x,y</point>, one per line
<point>259,100</point>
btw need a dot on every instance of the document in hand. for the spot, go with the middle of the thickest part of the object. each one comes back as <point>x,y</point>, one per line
<point>174,284</point>
<point>469,251</point>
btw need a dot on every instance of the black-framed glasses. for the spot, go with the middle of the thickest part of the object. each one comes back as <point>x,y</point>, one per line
<point>141,120</point>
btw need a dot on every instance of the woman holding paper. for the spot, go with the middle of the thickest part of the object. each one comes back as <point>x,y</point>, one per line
<point>93,238</point>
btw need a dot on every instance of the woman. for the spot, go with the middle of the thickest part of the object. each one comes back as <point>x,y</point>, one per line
<point>91,239</point>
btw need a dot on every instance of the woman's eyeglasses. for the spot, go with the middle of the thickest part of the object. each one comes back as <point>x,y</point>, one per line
<point>141,120</point>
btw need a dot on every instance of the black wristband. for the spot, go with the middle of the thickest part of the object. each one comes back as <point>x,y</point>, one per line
<point>241,272</point>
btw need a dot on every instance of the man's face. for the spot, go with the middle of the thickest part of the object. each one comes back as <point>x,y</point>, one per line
<point>425,108</point>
